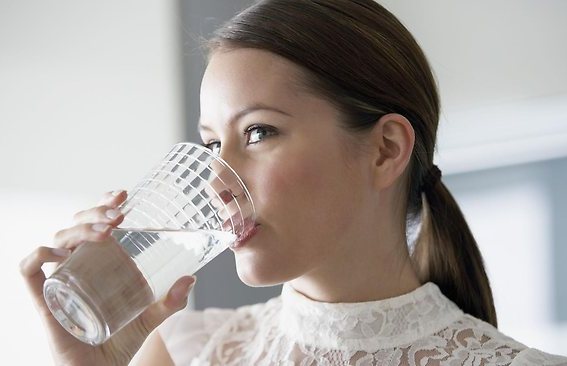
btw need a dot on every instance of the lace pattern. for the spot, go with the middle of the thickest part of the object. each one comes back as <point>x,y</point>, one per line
<point>422,328</point>
<point>367,325</point>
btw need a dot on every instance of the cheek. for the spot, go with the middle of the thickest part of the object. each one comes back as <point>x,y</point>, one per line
<point>302,194</point>
<point>288,182</point>
<point>306,205</point>
<point>286,199</point>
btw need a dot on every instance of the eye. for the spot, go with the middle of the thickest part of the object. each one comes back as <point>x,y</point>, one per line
<point>214,146</point>
<point>256,133</point>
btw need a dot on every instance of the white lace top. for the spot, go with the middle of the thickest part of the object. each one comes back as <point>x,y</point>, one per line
<point>420,328</point>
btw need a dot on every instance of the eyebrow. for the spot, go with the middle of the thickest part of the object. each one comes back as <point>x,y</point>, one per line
<point>253,108</point>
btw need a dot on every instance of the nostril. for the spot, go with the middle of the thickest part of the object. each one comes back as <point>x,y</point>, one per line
<point>226,196</point>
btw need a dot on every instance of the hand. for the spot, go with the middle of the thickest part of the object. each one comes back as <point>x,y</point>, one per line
<point>95,225</point>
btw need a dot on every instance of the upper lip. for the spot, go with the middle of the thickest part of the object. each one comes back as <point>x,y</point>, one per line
<point>244,234</point>
<point>240,226</point>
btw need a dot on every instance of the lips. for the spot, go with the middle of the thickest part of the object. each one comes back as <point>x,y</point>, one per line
<point>245,236</point>
<point>239,226</point>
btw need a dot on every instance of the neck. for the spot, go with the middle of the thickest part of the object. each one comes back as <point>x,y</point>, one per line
<point>364,268</point>
<point>358,286</point>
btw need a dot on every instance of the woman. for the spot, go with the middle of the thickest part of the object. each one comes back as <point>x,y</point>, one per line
<point>328,111</point>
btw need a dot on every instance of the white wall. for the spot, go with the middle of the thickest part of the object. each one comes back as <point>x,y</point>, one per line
<point>90,98</point>
<point>488,52</point>
<point>502,73</point>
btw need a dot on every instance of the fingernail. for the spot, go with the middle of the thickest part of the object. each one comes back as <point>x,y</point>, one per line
<point>117,192</point>
<point>100,227</point>
<point>61,252</point>
<point>182,292</point>
<point>112,214</point>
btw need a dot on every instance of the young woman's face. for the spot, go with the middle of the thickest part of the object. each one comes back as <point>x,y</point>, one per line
<point>290,151</point>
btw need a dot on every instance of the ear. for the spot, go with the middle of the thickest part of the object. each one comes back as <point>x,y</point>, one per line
<point>392,140</point>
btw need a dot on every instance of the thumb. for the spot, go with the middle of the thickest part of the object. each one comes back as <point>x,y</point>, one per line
<point>128,340</point>
<point>175,300</point>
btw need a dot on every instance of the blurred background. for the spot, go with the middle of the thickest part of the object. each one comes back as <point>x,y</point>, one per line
<point>92,94</point>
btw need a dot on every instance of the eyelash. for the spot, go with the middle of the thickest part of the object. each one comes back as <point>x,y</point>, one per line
<point>270,131</point>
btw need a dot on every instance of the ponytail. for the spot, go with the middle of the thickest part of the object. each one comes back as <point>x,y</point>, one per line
<point>446,253</point>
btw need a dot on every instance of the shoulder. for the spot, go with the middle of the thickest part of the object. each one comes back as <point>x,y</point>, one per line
<point>249,318</point>
<point>188,333</point>
<point>191,324</point>
<point>474,341</point>
<point>185,333</point>
<point>532,356</point>
<point>195,323</point>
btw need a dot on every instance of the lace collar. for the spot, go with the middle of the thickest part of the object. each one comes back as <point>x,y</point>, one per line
<point>366,326</point>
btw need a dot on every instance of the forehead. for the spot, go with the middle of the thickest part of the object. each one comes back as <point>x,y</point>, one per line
<point>245,75</point>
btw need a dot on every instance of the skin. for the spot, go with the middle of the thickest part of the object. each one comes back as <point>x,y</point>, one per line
<point>329,212</point>
<point>329,204</point>
<point>93,225</point>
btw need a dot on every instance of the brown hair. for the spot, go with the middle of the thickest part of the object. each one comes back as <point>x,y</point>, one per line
<point>362,59</point>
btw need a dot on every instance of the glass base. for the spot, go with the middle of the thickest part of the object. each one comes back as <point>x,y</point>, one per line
<point>74,312</point>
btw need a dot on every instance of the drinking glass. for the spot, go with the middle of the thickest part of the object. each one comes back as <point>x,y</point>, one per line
<point>186,211</point>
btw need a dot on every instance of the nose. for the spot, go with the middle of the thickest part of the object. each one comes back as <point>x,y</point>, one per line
<point>236,163</point>
<point>237,209</point>
<point>226,176</point>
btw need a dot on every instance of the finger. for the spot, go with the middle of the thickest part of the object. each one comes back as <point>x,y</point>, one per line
<point>113,199</point>
<point>100,214</point>
<point>31,265</point>
<point>73,236</point>
<point>175,300</point>
<point>130,338</point>
<point>30,269</point>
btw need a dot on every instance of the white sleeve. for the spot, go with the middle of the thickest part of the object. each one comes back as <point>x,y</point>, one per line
<point>533,357</point>
<point>186,332</point>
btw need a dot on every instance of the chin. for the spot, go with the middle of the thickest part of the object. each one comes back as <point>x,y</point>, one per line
<point>255,279</point>
<point>255,275</point>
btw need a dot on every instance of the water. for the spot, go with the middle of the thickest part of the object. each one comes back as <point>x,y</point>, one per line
<point>163,256</point>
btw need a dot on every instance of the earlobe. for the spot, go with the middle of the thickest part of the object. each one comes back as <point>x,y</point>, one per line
<point>392,138</point>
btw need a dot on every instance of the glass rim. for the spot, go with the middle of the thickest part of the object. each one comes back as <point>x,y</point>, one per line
<point>225,165</point>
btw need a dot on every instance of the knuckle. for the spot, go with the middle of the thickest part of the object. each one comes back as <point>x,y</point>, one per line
<point>60,234</point>
<point>101,215</point>
<point>88,233</point>
<point>85,231</point>
<point>95,214</point>
<point>36,256</point>
<point>23,266</point>
<point>43,251</point>
<point>77,216</point>
<point>100,210</point>
<point>39,253</point>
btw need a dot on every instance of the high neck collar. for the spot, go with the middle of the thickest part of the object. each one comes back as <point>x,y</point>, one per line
<point>366,326</point>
